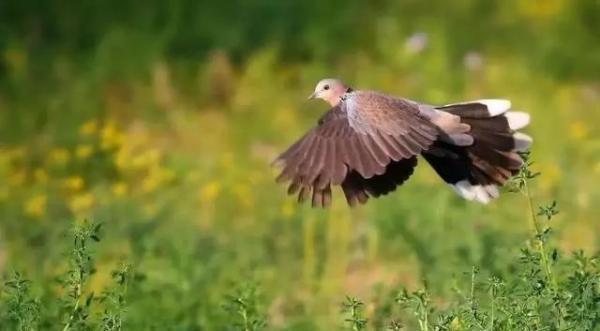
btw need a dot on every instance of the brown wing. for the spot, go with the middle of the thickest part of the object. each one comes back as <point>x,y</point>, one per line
<point>334,152</point>
<point>358,189</point>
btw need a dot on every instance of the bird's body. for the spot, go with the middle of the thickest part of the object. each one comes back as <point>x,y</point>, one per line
<point>368,143</point>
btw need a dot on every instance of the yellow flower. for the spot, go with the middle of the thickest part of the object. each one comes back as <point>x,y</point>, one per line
<point>150,183</point>
<point>59,156</point>
<point>110,136</point>
<point>88,128</point>
<point>102,279</point>
<point>36,206</point>
<point>40,175</point>
<point>288,208</point>
<point>157,176</point>
<point>122,158</point>
<point>136,162</point>
<point>81,202</point>
<point>152,156</point>
<point>578,130</point>
<point>73,183</point>
<point>210,191</point>
<point>119,189</point>
<point>84,151</point>
<point>147,159</point>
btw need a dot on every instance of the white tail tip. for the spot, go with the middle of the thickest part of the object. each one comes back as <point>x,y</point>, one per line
<point>517,119</point>
<point>479,193</point>
<point>496,106</point>
<point>464,189</point>
<point>522,141</point>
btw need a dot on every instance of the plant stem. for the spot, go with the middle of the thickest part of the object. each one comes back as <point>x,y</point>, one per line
<point>424,323</point>
<point>245,318</point>
<point>492,318</point>
<point>538,239</point>
<point>472,297</point>
<point>68,325</point>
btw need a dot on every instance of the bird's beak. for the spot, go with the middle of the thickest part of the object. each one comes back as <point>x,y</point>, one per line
<point>312,96</point>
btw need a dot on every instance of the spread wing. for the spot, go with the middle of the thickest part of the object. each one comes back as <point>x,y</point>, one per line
<point>364,148</point>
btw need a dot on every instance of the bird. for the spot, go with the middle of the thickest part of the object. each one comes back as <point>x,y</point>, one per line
<point>368,143</point>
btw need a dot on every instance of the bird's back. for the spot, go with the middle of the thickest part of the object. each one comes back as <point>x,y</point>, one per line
<point>371,109</point>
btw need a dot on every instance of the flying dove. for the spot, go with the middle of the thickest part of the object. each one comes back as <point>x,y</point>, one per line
<point>368,143</point>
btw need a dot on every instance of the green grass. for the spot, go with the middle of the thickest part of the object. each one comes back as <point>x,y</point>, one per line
<point>544,291</point>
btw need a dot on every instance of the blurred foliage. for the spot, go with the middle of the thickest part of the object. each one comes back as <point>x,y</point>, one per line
<point>160,119</point>
<point>311,29</point>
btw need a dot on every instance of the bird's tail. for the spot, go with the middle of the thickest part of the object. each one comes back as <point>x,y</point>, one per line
<point>484,155</point>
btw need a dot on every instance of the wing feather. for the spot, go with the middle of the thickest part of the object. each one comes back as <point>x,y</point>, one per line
<point>357,153</point>
<point>329,166</point>
<point>396,151</point>
<point>317,161</point>
<point>376,153</point>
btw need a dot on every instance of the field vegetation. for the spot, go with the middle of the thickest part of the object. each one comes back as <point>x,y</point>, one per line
<point>136,191</point>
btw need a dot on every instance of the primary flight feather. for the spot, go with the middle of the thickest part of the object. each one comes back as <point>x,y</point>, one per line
<point>368,144</point>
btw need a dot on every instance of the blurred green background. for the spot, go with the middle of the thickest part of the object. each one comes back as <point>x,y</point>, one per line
<point>160,118</point>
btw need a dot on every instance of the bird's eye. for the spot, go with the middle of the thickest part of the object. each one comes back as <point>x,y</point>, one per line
<point>326,87</point>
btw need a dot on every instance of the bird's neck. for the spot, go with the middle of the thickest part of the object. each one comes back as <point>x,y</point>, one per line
<point>336,98</point>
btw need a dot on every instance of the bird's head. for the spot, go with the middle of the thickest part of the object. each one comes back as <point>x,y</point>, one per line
<point>330,90</point>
